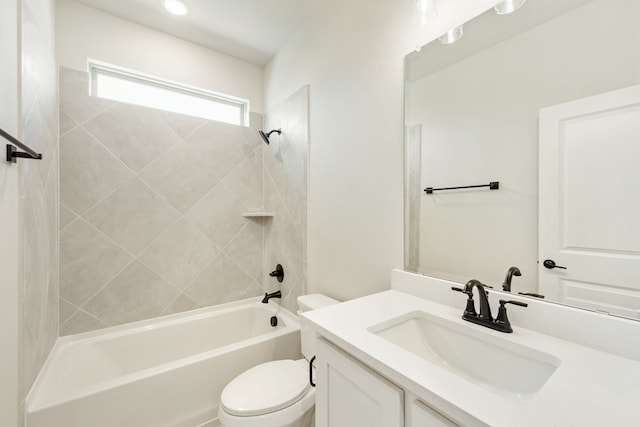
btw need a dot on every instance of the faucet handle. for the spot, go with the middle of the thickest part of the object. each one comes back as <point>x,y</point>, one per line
<point>470,309</point>
<point>502,318</point>
<point>531,294</point>
<point>521,304</point>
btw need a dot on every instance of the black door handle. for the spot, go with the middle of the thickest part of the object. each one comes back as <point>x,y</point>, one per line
<point>551,264</point>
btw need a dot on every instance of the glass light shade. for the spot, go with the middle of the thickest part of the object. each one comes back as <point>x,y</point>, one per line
<point>425,11</point>
<point>176,7</point>
<point>508,6</point>
<point>452,36</point>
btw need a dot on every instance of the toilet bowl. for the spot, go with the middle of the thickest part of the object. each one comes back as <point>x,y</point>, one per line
<point>276,393</point>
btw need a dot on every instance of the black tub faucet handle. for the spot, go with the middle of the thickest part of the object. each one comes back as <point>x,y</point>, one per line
<point>278,273</point>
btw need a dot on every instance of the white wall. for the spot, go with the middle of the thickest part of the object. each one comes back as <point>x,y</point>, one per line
<point>85,32</point>
<point>351,54</point>
<point>9,288</point>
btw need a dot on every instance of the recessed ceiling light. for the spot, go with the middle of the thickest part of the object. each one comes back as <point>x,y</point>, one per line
<point>176,7</point>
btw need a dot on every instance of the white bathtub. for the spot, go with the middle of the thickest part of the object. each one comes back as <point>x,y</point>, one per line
<point>166,372</point>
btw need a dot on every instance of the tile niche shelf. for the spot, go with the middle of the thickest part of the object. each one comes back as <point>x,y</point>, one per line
<point>258,214</point>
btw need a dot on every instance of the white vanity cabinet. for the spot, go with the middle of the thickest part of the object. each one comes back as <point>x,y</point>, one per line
<point>419,414</point>
<point>349,394</point>
<point>370,375</point>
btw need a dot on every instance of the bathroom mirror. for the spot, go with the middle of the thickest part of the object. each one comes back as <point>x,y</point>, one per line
<point>545,102</point>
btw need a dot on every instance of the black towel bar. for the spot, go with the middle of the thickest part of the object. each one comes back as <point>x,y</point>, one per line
<point>492,186</point>
<point>12,151</point>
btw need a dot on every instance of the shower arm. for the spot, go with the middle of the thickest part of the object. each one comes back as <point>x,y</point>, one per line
<point>265,136</point>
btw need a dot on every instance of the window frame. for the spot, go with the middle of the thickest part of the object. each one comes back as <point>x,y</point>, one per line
<point>98,67</point>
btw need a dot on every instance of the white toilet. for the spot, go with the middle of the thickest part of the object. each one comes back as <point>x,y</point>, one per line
<point>277,393</point>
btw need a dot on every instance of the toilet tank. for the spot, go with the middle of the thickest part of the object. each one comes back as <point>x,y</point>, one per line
<point>307,335</point>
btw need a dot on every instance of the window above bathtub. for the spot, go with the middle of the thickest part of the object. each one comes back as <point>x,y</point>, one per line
<point>122,85</point>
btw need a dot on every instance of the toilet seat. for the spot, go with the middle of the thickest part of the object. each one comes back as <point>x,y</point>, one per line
<point>265,388</point>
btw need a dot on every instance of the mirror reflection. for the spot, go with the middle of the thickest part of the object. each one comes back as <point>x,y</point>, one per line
<point>544,101</point>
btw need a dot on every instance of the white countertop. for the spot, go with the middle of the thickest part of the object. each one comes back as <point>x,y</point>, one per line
<point>589,388</point>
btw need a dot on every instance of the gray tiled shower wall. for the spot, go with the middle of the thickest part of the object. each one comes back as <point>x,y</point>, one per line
<point>150,211</point>
<point>39,190</point>
<point>285,193</point>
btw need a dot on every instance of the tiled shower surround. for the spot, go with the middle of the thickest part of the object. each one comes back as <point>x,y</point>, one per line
<point>285,193</point>
<point>151,211</point>
<point>39,190</point>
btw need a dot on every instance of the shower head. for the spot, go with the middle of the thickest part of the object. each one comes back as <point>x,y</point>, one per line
<point>266,136</point>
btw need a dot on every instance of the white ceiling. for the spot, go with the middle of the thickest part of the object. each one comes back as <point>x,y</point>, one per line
<point>253,30</point>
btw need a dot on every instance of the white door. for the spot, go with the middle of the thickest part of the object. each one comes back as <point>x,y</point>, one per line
<point>589,202</point>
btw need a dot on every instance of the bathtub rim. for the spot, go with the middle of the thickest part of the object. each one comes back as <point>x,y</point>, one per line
<point>33,401</point>
<point>148,324</point>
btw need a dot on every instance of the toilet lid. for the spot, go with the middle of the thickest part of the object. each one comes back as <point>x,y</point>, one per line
<point>265,388</point>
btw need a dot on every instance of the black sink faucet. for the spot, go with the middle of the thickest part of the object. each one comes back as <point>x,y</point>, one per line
<point>513,271</point>
<point>484,318</point>
<point>267,297</point>
<point>485,309</point>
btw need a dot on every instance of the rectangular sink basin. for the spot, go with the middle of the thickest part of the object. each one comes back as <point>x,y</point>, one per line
<point>494,363</point>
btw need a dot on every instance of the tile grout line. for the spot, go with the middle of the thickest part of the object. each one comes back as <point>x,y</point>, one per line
<point>63,111</point>
<point>104,110</point>
<point>119,187</point>
<point>221,252</point>
<point>182,294</point>
<point>282,199</point>
<point>220,180</point>
<point>164,310</point>
<point>135,258</point>
<point>282,202</point>
<point>114,155</point>
<point>231,258</point>
<point>70,222</point>
<point>88,314</point>
<point>158,238</point>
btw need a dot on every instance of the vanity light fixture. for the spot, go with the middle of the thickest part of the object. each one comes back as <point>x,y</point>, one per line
<point>425,11</point>
<point>176,7</point>
<point>508,6</point>
<point>452,36</point>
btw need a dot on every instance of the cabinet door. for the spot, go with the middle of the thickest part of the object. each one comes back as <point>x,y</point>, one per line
<point>351,395</point>
<point>422,415</point>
